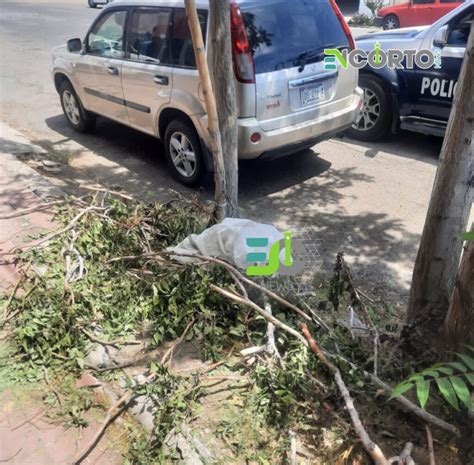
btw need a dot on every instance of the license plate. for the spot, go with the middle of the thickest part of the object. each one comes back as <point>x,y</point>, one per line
<point>311,95</point>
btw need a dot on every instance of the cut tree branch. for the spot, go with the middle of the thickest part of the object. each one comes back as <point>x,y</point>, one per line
<point>370,446</point>
<point>268,316</point>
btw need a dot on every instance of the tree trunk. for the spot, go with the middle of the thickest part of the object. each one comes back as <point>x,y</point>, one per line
<point>459,323</point>
<point>211,108</point>
<point>224,89</point>
<point>440,248</point>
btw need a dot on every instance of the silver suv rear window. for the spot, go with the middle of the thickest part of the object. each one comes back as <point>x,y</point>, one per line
<point>279,31</point>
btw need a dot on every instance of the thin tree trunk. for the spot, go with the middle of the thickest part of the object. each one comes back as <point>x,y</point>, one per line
<point>211,108</point>
<point>224,88</point>
<point>459,323</point>
<point>440,248</point>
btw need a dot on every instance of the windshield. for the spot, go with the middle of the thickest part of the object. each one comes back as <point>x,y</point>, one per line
<point>280,31</point>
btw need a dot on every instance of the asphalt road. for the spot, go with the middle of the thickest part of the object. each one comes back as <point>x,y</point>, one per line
<point>369,200</point>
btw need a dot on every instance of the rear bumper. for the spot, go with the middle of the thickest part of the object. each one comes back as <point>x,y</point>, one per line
<point>297,136</point>
<point>378,21</point>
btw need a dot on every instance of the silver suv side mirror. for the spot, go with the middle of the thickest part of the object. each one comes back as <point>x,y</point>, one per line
<point>74,45</point>
<point>441,37</point>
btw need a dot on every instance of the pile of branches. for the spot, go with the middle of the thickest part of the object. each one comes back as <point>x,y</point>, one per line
<point>105,276</point>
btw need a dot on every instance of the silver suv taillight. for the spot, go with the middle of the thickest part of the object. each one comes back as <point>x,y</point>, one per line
<point>242,56</point>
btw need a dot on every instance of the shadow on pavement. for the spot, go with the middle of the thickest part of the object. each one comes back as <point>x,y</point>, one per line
<point>405,144</point>
<point>144,157</point>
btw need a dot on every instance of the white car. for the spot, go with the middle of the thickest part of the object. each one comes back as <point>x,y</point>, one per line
<point>96,3</point>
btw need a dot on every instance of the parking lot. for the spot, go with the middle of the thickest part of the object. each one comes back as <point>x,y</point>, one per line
<point>368,200</point>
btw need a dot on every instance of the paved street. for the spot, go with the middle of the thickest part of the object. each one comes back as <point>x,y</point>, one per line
<point>369,200</point>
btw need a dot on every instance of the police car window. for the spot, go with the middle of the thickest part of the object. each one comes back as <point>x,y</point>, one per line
<point>459,33</point>
<point>148,39</point>
<point>451,1</point>
<point>106,37</point>
<point>422,2</point>
<point>182,45</point>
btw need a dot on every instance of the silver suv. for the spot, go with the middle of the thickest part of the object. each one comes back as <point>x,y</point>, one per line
<point>136,66</point>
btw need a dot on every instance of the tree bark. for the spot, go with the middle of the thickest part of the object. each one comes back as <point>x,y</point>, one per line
<point>224,88</point>
<point>440,249</point>
<point>211,108</point>
<point>459,323</point>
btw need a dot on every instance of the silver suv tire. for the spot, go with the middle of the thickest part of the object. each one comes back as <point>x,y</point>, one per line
<point>77,117</point>
<point>183,152</point>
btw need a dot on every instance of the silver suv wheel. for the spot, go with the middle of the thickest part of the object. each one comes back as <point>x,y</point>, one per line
<point>182,154</point>
<point>369,113</point>
<point>71,108</point>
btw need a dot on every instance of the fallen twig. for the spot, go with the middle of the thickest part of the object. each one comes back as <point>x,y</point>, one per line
<point>355,296</point>
<point>429,438</point>
<point>407,404</point>
<point>54,234</point>
<point>10,297</point>
<point>28,420</point>
<point>44,206</point>
<point>405,457</point>
<point>292,447</point>
<point>113,343</point>
<point>16,312</point>
<point>167,357</point>
<point>13,293</point>
<point>12,456</point>
<point>113,411</point>
<point>268,316</point>
<point>371,447</point>
<point>107,191</point>
<point>48,382</point>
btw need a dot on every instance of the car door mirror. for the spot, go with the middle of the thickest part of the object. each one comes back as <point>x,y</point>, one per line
<point>441,37</point>
<point>74,45</point>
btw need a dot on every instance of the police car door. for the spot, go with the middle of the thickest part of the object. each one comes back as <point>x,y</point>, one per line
<point>437,85</point>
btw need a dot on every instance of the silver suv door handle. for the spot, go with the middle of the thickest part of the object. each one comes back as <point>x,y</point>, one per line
<point>162,80</point>
<point>112,70</point>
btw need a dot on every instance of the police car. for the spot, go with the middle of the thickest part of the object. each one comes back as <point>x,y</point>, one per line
<point>413,99</point>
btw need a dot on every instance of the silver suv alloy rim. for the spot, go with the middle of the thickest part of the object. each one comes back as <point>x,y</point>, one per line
<point>71,107</point>
<point>369,113</point>
<point>182,154</point>
<point>390,24</point>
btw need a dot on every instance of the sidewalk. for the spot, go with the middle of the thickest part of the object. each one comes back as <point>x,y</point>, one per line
<point>27,436</point>
<point>20,188</point>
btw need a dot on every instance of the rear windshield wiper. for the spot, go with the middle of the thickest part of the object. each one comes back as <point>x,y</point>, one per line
<point>303,58</point>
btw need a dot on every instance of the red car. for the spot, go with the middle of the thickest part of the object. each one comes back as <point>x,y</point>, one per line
<point>414,13</point>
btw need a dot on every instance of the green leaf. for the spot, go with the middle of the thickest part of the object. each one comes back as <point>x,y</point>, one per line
<point>469,362</point>
<point>431,372</point>
<point>468,236</point>
<point>459,366</point>
<point>470,378</point>
<point>445,370</point>
<point>422,391</point>
<point>462,391</point>
<point>400,389</point>
<point>447,392</point>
